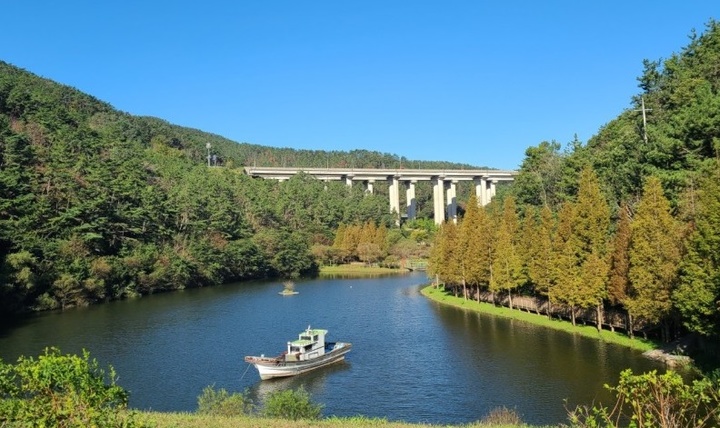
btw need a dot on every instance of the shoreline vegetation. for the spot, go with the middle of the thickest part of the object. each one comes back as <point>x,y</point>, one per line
<point>359,270</point>
<point>438,294</point>
<point>194,420</point>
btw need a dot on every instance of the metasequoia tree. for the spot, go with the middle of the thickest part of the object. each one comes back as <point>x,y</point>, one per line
<point>474,259</point>
<point>444,255</point>
<point>566,276</point>
<point>655,252</point>
<point>541,267</point>
<point>592,220</point>
<point>507,264</point>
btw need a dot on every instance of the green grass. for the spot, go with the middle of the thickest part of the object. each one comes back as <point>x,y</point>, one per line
<point>439,295</point>
<point>359,270</point>
<point>193,420</point>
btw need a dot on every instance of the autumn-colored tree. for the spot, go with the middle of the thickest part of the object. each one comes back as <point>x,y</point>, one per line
<point>507,264</point>
<point>620,261</point>
<point>591,223</point>
<point>565,283</point>
<point>339,242</point>
<point>542,260</point>
<point>367,233</point>
<point>351,240</point>
<point>655,253</point>
<point>445,255</point>
<point>527,237</point>
<point>381,237</point>
<point>472,268</point>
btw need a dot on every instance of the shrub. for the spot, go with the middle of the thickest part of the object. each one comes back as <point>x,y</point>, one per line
<point>221,403</point>
<point>502,416</point>
<point>61,390</point>
<point>292,404</point>
<point>652,400</point>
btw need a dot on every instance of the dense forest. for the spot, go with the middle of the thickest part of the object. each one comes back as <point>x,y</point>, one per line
<point>97,204</point>
<point>628,222</point>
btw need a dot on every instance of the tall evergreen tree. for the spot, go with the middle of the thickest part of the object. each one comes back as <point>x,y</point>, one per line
<point>698,294</point>
<point>655,253</point>
<point>620,260</point>
<point>565,285</point>
<point>591,224</point>
<point>507,264</point>
<point>541,268</point>
<point>470,243</point>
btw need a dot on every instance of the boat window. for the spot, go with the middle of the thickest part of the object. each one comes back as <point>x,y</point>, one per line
<point>315,338</point>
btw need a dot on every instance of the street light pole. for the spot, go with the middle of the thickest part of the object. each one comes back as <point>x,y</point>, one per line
<point>208,151</point>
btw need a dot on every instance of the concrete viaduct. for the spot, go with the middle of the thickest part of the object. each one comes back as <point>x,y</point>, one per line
<point>444,183</point>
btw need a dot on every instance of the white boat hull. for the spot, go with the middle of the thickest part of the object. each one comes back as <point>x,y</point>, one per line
<point>270,368</point>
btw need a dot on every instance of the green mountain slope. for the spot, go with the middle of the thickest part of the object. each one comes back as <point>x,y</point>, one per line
<point>97,204</point>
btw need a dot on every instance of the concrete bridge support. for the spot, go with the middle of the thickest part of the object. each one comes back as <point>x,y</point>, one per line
<point>394,193</point>
<point>438,200</point>
<point>484,190</point>
<point>410,201</point>
<point>369,186</point>
<point>451,204</point>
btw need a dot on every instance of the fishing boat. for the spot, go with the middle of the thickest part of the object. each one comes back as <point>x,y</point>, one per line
<point>309,352</point>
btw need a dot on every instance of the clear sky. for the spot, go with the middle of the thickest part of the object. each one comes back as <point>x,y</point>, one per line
<point>466,81</point>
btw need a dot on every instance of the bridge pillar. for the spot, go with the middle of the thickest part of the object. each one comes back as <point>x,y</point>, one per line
<point>438,196</point>
<point>484,190</point>
<point>410,200</point>
<point>451,203</point>
<point>394,191</point>
<point>348,180</point>
<point>478,181</point>
<point>369,186</point>
<point>493,183</point>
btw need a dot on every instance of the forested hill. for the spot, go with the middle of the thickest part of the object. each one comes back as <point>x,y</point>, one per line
<point>98,204</point>
<point>25,95</point>
<point>628,223</point>
<point>678,140</point>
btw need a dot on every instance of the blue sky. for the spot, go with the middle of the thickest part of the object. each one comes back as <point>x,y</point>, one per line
<point>476,82</point>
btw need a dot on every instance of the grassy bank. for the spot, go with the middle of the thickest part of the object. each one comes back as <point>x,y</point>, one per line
<point>193,420</point>
<point>439,295</point>
<point>359,270</point>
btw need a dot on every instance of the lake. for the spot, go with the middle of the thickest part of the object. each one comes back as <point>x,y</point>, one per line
<point>412,360</point>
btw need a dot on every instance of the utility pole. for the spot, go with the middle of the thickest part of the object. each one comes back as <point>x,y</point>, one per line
<point>643,109</point>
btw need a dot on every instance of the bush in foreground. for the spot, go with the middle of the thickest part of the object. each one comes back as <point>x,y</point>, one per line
<point>291,404</point>
<point>502,416</point>
<point>652,400</point>
<point>61,390</point>
<point>221,403</point>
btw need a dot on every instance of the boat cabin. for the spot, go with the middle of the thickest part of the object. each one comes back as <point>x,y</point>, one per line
<point>310,344</point>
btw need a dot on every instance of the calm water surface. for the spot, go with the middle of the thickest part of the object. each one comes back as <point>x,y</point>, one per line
<point>412,359</point>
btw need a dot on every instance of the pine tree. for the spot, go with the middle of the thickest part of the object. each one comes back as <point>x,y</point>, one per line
<point>698,294</point>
